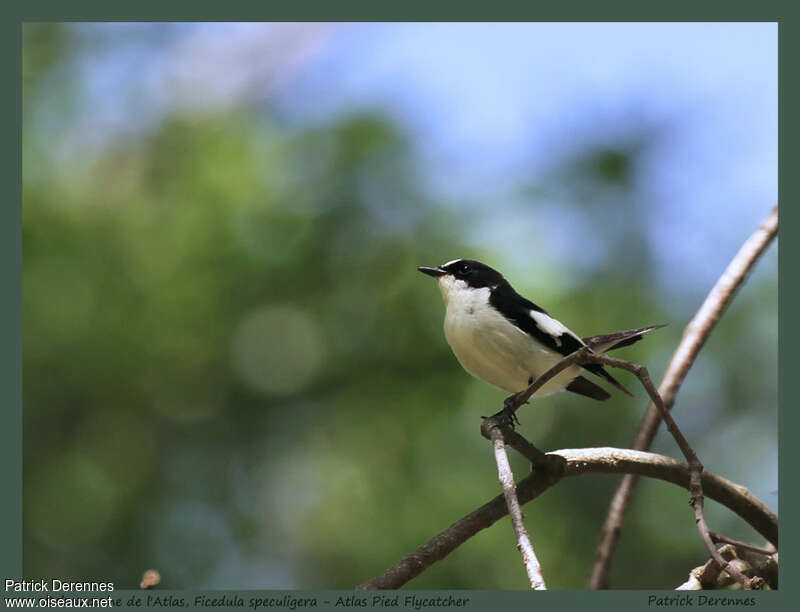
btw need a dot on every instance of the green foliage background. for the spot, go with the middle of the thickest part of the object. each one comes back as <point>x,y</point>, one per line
<point>234,373</point>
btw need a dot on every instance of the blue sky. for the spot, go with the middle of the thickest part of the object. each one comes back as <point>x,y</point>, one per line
<point>490,105</point>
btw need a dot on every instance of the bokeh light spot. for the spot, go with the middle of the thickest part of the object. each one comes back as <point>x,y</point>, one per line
<point>277,350</point>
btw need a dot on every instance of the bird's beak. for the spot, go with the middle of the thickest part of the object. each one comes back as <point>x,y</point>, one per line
<point>435,272</point>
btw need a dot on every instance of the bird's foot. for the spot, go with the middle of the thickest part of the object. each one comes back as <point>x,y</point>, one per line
<point>507,417</point>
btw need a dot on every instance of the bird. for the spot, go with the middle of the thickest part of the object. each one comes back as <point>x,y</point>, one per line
<point>506,340</point>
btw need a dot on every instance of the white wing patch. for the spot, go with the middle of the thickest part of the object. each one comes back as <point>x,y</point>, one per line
<point>551,326</point>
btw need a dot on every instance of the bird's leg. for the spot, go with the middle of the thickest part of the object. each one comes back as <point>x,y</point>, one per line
<point>509,411</point>
<point>507,417</point>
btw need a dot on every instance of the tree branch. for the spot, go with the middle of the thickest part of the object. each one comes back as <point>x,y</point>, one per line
<point>585,356</point>
<point>696,467</point>
<point>506,477</point>
<point>576,462</point>
<point>694,338</point>
<point>607,460</point>
<point>763,568</point>
<point>721,539</point>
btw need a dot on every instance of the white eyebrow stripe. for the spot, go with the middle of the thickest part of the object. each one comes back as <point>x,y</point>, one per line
<point>451,262</point>
<point>550,326</point>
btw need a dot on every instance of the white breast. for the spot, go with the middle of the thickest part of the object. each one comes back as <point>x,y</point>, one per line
<point>490,347</point>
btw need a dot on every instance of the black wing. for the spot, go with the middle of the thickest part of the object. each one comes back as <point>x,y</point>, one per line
<point>517,309</point>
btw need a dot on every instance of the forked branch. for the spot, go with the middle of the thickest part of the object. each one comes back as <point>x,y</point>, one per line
<point>550,469</point>
<point>694,338</point>
<point>584,356</point>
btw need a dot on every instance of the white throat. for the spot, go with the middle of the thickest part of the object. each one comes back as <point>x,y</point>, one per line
<point>453,290</point>
<point>459,297</point>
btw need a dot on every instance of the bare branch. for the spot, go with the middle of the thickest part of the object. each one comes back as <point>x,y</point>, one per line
<point>721,539</point>
<point>506,477</point>
<point>608,460</point>
<point>585,356</point>
<point>696,468</point>
<point>694,338</point>
<point>523,446</point>
<point>711,576</point>
<point>576,462</point>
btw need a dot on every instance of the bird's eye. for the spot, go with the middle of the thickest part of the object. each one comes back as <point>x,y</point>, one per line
<point>464,268</point>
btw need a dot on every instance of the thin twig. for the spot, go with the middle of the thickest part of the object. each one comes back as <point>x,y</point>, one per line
<point>694,338</point>
<point>577,462</point>
<point>696,467</point>
<point>721,539</point>
<point>584,356</point>
<point>523,446</point>
<point>506,477</point>
<point>517,400</point>
<point>442,544</point>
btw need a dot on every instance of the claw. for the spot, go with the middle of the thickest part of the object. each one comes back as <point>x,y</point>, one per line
<point>507,417</point>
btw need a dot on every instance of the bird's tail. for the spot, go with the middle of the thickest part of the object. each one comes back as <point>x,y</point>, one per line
<point>610,342</point>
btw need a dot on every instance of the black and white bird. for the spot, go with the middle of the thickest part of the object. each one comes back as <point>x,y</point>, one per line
<point>508,341</point>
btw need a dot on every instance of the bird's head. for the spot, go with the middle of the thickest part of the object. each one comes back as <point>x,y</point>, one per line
<point>463,275</point>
